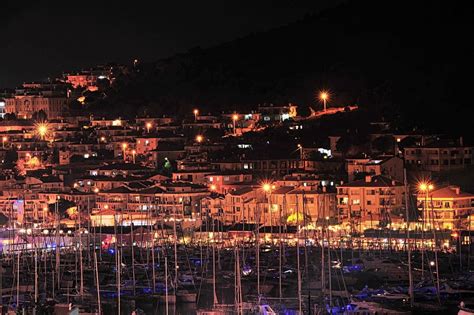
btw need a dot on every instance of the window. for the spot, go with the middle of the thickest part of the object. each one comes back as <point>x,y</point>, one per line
<point>344,201</point>
<point>369,202</point>
<point>356,201</point>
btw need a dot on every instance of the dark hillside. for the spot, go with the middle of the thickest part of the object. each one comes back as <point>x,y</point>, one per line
<point>407,58</point>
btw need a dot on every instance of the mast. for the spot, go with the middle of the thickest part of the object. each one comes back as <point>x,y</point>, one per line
<point>175,251</point>
<point>280,252</point>
<point>257,250</point>
<point>58,258</point>
<point>298,255</point>
<point>81,288</point>
<point>435,250</point>
<point>329,263</point>
<point>152,252</point>
<point>133,256</point>
<point>166,283</point>
<point>214,268</point>
<point>97,282</point>
<point>410,276</point>
<point>323,280</point>
<point>36,275</point>
<point>18,281</point>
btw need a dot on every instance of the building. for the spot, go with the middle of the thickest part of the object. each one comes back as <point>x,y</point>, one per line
<point>375,201</point>
<point>439,156</point>
<point>2,108</point>
<point>308,206</point>
<point>447,208</point>
<point>24,106</point>
<point>270,113</point>
<point>390,166</point>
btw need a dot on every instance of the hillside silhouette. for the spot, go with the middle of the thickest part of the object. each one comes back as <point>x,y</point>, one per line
<point>407,61</point>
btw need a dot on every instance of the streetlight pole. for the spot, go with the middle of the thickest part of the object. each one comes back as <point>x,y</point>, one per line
<point>324,96</point>
<point>124,148</point>
<point>235,117</point>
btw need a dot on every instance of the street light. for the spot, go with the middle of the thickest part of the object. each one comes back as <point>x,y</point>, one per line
<point>4,139</point>
<point>199,138</point>
<point>300,148</point>
<point>134,152</point>
<point>42,130</point>
<point>324,96</point>
<point>235,117</point>
<point>213,187</point>
<point>266,187</point>
<point>196,112</point>
<point>148,127</point>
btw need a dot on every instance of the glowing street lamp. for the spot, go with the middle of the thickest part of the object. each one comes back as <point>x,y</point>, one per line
<point>4,139</point>
<point>213,187</point>
<point>134,152</point>
<point>266,187</point>
<point>195,112</point>
<point>235,117</point>
<point>324,96</point>
<point>42,130</point>
<point>199,138</point>
<point>148,127</point>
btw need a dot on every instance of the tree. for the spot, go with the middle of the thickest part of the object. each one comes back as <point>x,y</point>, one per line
<point>10,116</point>
<point>3,220</point>
<point>352,144</point>
<point>63,207</point>
<point>11,156</point>
<point>384,144</point>
<point>39,116</point>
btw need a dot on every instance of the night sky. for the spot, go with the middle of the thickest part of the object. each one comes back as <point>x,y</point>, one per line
<point>43,38</point>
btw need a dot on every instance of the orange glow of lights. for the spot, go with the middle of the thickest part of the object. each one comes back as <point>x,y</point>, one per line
<point>235,117</point>
<point>323,95</point>
<point>199,138</point>
<point>42,130</point>
<point>267,187</point>
<point>425,186</point>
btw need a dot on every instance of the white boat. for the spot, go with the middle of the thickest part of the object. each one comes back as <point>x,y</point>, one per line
<point>466,309</point>
<point>369,308</point>
<point>392,296</point>
<point>265,309</point>
<point>184,296</point>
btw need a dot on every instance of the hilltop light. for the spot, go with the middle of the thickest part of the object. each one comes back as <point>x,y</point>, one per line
<point>199,138</point>
<point>324,97</point>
